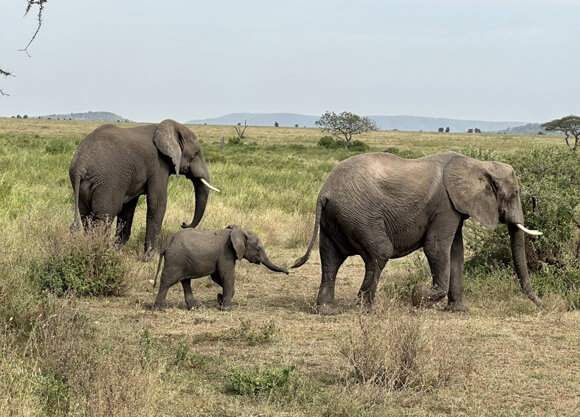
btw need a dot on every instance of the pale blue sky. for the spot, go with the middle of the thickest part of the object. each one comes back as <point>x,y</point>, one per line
<point>149,60</point>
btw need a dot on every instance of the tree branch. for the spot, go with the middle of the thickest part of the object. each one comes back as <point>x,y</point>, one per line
<point>29,6</point>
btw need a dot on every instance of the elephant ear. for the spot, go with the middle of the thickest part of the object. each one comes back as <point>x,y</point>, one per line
<point>472,188</point>
<point>238,238</point>
<point>168,141</point>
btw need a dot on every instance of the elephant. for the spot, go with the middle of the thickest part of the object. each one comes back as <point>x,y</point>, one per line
<point>112,167</point>
<point>192,253</point>
<point>380,206</point>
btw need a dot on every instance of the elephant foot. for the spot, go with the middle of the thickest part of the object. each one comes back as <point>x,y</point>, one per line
<point>193,304</point>
<point>457,307</point>
<point>328,309</point>
<point>158,307</point>
<point>221,306</point>
<point>420,296</point>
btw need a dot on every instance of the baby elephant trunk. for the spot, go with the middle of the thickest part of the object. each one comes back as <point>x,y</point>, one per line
<point>268,264</point>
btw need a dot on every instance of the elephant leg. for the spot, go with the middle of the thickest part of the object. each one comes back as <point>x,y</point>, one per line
<point>438,253</point>
<point>156,204</point>
<point>217,279</point>
<point>161,295</point>
<point>455,294</point>
<point>368,289</point>
<point>190,301</point>
<point>125,221</point>
<point>225,301</point>
<point>331,259</point>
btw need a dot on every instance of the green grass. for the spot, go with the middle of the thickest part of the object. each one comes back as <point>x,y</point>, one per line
<point>68,355</point>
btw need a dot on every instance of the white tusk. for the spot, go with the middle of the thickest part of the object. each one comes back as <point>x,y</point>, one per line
<point>208,185</point>
<point>528,231</point>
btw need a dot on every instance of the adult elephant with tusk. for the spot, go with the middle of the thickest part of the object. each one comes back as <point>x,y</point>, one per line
<point>112,167</point>
<point>380,206</point>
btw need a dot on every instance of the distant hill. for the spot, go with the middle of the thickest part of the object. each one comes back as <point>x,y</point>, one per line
<point>260,119</point>
<point>92,116</point>
<point>527,129</point>
<point>410,123</point>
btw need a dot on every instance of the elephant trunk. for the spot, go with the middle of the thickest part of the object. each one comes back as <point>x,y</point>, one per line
<point>201,196</point>
<point>519,257</point>
<point>268,264</point>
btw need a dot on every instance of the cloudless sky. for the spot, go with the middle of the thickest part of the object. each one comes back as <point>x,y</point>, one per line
<point>147,60</point>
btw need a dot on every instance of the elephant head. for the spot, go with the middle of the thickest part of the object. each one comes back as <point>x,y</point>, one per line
<point>181,146</point>
<point>489,192</point>
<point>249,246</point>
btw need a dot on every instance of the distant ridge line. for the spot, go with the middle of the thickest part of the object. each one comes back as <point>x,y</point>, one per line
<point>406,123</point>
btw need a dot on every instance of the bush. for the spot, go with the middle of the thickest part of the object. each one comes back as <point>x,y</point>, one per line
<point>550,193</point>
<point>407,154</point>
<point>90,265</point>
<point>329,142</point>
<point>235,141</point>
<point>268,380</point>
<point>390,348</point>
<point>358,146</point>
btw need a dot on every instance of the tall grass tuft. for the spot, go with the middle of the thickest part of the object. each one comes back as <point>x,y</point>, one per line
<point>85,264</point>
<point>392,349</point>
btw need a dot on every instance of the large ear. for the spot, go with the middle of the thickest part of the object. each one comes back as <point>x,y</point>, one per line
<point>168,141</point>
<point>238,238</point>
<point>472,187</point>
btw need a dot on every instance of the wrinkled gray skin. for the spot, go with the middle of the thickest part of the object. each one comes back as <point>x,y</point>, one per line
<point>380,206</point>
<point>193,254</point>
<point>113,166</point>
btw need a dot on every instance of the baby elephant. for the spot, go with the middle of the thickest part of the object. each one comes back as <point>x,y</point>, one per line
<point>192,253</point>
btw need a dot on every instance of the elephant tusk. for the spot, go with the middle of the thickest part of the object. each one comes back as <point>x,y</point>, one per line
<point>208,185</point>
<point>528,231</point>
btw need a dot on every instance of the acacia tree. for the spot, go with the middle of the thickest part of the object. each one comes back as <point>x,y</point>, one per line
<point>29,5</point>
<point>568,125</point>
<point>344,125</point>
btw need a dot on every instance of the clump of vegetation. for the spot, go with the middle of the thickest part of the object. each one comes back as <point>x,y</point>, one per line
<point>329,142</point>
<point>407,154</point>
<point>269,380</point>
<point>235,141</point>
<point>393,350</point>
<point>87,265</point>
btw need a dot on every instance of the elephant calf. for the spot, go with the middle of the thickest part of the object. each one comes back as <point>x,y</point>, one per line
<point>192,253</point>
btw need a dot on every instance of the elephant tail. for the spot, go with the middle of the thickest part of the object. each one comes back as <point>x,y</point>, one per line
<point>320,203</point>
<point>161,255</point>
<point>76,188</point>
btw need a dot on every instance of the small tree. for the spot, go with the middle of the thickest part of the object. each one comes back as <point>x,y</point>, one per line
<point>345,125</point>
<point>276,124</point>
<point>568,125</point>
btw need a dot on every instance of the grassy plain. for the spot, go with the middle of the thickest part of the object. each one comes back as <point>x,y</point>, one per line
<point>271,356</point>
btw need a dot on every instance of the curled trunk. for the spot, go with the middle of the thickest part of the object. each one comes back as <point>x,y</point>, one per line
<point>519,257</point>
<point>201,196</point>
<point>268,264</point>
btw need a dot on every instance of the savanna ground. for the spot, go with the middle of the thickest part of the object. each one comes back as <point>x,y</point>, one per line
<point>100,356</point>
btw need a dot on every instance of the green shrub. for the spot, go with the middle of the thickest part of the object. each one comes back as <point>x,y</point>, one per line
<point>248,382</point>
<point>407,153</point>
<point>89,266</point>
<point>235,141</point>
<point>358,146</point>
<point>329,142</point>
